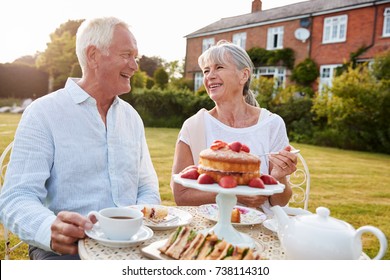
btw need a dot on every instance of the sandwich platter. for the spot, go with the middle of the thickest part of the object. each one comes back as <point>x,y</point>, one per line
<point>152,250</point>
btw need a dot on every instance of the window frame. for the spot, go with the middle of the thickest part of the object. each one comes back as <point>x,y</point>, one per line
<point>278,73</point>
<point>207,43</point>
<point>386,22</point>
<point>327,81</point>
<point>332,32</point>
<point>198,80</point>
<point>275,37</point>
<point>239,39</point>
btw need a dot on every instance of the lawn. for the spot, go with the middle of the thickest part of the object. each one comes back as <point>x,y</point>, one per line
<point>355,186</point>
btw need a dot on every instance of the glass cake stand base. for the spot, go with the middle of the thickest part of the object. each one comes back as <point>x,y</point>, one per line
<point>224,229</point>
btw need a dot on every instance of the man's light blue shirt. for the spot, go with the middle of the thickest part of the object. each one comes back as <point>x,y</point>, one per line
<point>65,158</point>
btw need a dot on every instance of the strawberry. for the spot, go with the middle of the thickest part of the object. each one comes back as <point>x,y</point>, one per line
<point>245,148</point>
<point>218,144</point>
<point>268,179</point>
<point>235,146</point>
<point>190,174</point>
<point>205,179</point>
<point>227,182</point>
<point>256,183</point>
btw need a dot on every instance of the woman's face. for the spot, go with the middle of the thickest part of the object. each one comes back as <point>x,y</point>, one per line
<point>223,81</point>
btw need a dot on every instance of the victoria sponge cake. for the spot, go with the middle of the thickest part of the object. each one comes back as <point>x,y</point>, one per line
<point>233,159</point>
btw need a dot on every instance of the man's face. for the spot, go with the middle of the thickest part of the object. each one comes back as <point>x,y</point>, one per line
<point>116,68</point>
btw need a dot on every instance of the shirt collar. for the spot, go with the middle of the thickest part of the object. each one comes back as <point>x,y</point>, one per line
<point>79,95</point>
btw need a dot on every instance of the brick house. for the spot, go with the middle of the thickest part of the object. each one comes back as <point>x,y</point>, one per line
<point>327,31</point>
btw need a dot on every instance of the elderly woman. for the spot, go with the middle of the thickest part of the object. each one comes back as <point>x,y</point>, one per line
<point>227,71</point>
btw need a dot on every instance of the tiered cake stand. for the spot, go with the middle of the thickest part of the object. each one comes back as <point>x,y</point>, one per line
<point>226,199</point>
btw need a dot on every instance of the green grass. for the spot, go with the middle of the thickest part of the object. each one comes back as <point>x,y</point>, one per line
<point>355,186</point>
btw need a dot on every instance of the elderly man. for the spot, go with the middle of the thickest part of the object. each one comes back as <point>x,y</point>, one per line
<point>79,149</point>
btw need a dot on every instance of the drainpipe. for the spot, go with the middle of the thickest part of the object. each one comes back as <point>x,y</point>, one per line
<point>311,35</point>
<point>374,28</point>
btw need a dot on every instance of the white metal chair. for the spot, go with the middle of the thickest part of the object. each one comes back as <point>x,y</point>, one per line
<point>4,158</point>
<point>300,184</point>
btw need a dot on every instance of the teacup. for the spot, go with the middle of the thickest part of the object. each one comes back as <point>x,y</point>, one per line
<point>119,223</point>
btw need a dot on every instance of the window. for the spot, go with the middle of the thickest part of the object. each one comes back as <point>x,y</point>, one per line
<point>386,23</point>
<point>240,39</point>
<point>326,76</point>
<point>276,73</point>
<point>335,29</point>
<point>275,38</point>
<point>198,81</point>
<point>207,43</point>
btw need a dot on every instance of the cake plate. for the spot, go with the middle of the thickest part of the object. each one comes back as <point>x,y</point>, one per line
<point>226,199</point>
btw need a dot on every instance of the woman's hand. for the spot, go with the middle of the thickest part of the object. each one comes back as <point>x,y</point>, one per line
<point>66,230</point>
<point>283,164</point>
<point>254,201</point>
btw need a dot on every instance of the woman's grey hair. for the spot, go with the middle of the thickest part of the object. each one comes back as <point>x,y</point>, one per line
<point>225,51</point>
<point>96,32</point>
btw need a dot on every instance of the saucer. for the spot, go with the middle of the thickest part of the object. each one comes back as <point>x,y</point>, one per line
<point>97,234</point>
<point>176,217</point>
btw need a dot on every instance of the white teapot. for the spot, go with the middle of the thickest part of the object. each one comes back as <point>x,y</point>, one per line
<point>321,237</point>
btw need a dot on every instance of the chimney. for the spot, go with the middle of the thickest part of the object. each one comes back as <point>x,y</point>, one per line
<point>256,6</point>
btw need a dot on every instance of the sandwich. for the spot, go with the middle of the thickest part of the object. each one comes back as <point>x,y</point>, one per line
<point>185,244</point>
<point>238,253</point>
<point>172,238</point>
<point>192,251</point>
<point>182,242</point>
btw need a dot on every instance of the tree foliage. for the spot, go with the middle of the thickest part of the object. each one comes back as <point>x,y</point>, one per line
<point>305,73</point>
<point>22,81</point>
<point>161,78</point>
<point>264,89</point>
<point>150,64</point>
<point>356,107</point>
<point>60,57</point>
<point>262,57</point>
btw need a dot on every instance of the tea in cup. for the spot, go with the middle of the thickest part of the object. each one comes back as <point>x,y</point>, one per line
<point>119,223</point>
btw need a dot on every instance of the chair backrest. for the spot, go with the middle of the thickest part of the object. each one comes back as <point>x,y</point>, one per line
<point>300,184</point>
<point>4,158</point>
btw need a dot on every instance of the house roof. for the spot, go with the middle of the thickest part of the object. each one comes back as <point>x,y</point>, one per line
<point>297,10</point>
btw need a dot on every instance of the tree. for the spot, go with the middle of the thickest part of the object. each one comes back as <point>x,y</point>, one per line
<point>139,80</point>
<point>356,109</point>
<point>161,78</point>
<point>59,57</point>
<point>150,64</point>
<point>26,60</point>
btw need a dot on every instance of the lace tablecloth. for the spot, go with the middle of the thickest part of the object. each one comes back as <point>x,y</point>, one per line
<point>90,249</point>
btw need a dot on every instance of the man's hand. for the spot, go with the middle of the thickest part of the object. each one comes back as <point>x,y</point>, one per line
<point>66,230</point>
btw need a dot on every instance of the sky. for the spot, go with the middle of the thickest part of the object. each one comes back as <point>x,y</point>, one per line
<point>160,26</point>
